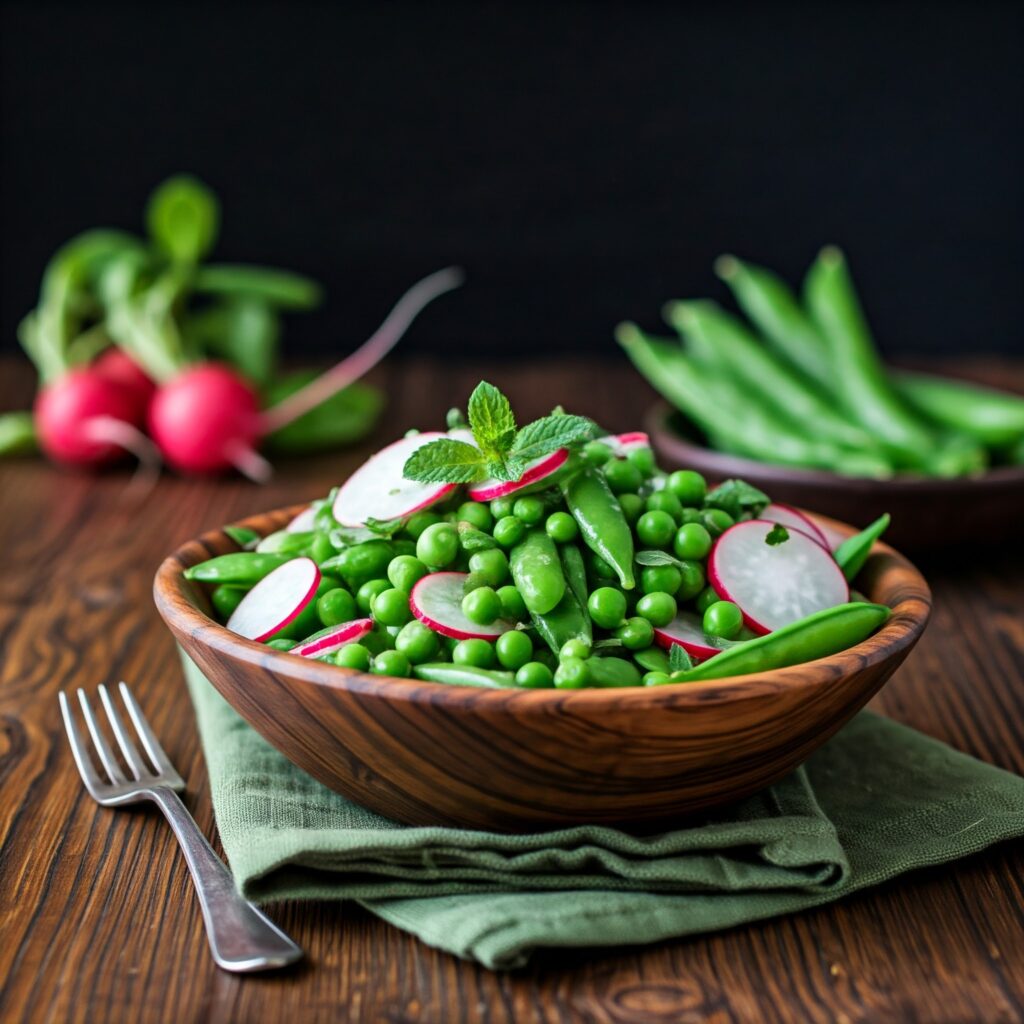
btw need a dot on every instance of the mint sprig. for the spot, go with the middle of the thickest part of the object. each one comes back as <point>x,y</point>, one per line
<point>500,451</point>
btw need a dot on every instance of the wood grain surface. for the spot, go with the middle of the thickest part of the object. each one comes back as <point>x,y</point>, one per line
<point>97,919</point>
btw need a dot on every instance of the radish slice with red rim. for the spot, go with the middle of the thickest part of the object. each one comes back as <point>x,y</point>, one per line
<point>622,444</point>
<point>304,521</point>
<point>333,638</point>
<point>536,471</point>
<point>793,518</point>
<point>687,631</point>
<point>833,538</point>
<point>278,599</point>
<point>436,600</point>
<point>774,584</point>
<point>378,489</point>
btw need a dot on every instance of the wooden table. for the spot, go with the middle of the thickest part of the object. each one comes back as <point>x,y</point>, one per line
<point>97,919</point>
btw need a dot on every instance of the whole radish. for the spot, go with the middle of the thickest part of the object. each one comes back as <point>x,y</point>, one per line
<point>115,364</point>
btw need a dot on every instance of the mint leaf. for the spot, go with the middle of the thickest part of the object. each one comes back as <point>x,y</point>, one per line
<point>385,527</point>
<point>547,435</point>
<point>507,469</point>
<point>737,497</point>
<point>679,659</point>
<point>446,461</point>
<point>778,534</point>
<point>472,540</point>
<point>655,558</point>
<point>491,419</point>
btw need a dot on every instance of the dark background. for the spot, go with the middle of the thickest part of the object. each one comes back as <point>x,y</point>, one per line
<point>583,162</point>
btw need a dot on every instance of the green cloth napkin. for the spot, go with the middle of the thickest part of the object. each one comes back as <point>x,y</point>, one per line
<point>877,800</point>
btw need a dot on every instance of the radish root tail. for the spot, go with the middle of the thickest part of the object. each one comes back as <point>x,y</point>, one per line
<point>249,463</point>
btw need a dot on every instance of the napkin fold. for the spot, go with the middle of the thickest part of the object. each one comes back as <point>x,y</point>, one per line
<point>877,800</point>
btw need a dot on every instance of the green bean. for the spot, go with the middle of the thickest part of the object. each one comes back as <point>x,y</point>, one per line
<point>537,571</point>
<point>774,310</point>
<point>602,525</point>
<point>866,392</point>
<point>463,675</point>
<point>613,672</point>
<point>242,567</point>
<point>851,555</point>
<point>817,636</point>
<point>992,417</point>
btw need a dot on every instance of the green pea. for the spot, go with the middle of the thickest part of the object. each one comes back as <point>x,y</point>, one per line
<point>225,599</point>
<point>688,486</point>
<point>476,514</point>
<point>501,507</point>
<point>575,648</point>
<point>724,619</point>
<point>655,529</point>
<point>391,607</point>
<point>490,565</point>
<point>391,663</point>
<point>438,545</point>
<point>598,566</point>
<point>514,649</point>
<point>529,510</point>
<point>417,642</point>
<point>535,675</point>
<point>716,521</point>
<point>692,541</point>
<point>353,656</point>
<point>335,607</point>
<point>474,652</point>
<point>607,607</point>
<point>622,476</point>
<point>367,592</point>
<point>658,608</point>
<point>561,527</point>
<point>572,674</point>
<point>509,531</point>
<point>361,562</point>
<point>665,578</point>
<point>656,678</point>
<point>405,571</point>
<point>691,579</point>
<point>420,521</point>
<point>643,459</point>
<point>636,634</point>
<point>689,515</point>
<point>282,643</point>
<point>706,598</point>
<point>512,604</point>
<point>632,506</point>
<point>321,549</point>
<point>481,606</point>
<point>665,501</point>
<point>596,453</point>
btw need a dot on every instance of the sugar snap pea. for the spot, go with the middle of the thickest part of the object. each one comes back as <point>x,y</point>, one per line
<point>284,542</point>
<point>853,552</point>
<point>575,570</point>
<point>602,525</point>
<point>241,567</point>
<point>244,537</point>
<point>537,571</point>
<point>463,675</point>
<point>568,620</point>
<point>360,563</point>
<point>613,672</point>
<point>817,636</point>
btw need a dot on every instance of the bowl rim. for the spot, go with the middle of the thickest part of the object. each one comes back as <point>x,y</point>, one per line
<point>657,422</point>
<point>909,617</point>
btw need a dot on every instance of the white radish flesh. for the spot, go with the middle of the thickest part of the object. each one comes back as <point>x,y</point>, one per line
<point>622,444</point>
<point>774,584</point>
<point>436,600</point>
<point>328,640</point>
<point>378,489</point>
<point>687,631</point>
<point>536,471</point>
<point>278,599</point>
<point>303,521</point>
<point>793,518</point>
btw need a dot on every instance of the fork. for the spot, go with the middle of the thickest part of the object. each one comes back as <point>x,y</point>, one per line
<point>242,938</point>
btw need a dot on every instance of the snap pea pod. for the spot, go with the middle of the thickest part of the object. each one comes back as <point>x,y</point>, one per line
<point>992,417</point>
<point>851,555</point>
<point>817,636</point>
<point>613,672</point>
<point>575,570</point>
<point>774,310</point>
<point>225,599</point>
<point>732,347</point>
<point>243,536</point>
<point>568,620</point>
<point>537,572</point>
<point>360,563</point>
<point>463,675</point>
<point>298,542</point>
<point>602,525</point>
<point>653,659</point>
<point>866,393</point>
<point>242,567</point>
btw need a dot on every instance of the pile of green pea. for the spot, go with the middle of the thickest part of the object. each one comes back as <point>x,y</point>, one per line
<point>560,563</point>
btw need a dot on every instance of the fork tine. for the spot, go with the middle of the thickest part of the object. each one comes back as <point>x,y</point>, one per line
<point>124,741</point>
<point>160,760</point>
<point>100,741</point>
<point>78,748</point>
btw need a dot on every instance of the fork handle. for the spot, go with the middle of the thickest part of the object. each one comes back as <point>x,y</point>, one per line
<point>242,938</point>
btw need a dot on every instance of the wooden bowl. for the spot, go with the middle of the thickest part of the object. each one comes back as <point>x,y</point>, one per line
<point>926,512</point>
<point>513,760</point>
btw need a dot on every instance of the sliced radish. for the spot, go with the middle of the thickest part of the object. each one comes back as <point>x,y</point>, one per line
<point>623,444</point>
<point>833,538</point>
<point>330,639</point>
<point>303,521</point>
<point>536,471</point>
<point>436,600</point>
<point>774,584</point>
<point>687,631</point>
<point>276,600</point>
<point>378,490</point>
<point>793,518</point>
